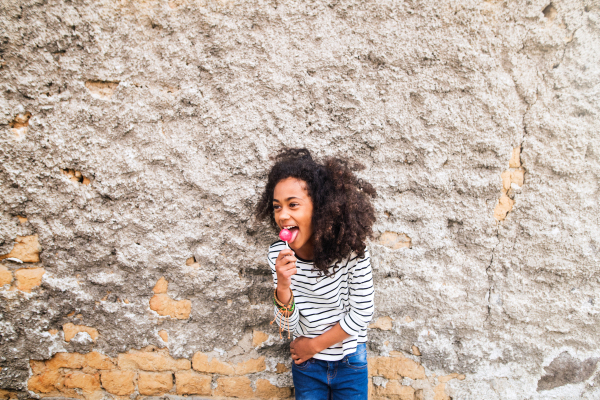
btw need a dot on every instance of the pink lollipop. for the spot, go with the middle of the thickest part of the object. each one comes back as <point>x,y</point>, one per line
<point>285,235</point>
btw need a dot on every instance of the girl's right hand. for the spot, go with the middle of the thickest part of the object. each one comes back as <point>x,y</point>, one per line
<point>285,266</point>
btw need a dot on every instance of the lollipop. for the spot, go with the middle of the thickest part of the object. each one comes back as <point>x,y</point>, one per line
<point>285,235</point>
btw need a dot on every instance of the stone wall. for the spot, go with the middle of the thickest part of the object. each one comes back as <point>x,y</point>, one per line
<point>135,137</point>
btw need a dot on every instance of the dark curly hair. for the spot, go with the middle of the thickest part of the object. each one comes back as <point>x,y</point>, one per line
<point>343,215</point>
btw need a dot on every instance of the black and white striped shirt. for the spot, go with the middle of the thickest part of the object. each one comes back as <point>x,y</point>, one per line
<point>321,302</point>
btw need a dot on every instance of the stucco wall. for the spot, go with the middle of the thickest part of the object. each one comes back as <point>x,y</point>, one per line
<point>135,138</point>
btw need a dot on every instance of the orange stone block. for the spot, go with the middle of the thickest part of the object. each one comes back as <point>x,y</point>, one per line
<point>26,249</point>
<point>71,330</point>
<point>281,368</point>
<point>250,366</point>
<point>120,383</point>
<point>265,390</point>
<point>161,286</point>
<point>395,367</point>
<point>258,338</point>
<point>152,361</point>
<point>155,383</point>
<point>393,390</point>
<point>238,386</point>
<point>99,361</point>
<point>383,323</point>
<point>167,307</point>
<point>189,382</point>
<point>66,360</point>
<point>5,276</point>
<point>200,363</point>
<point>86,382</point>
<point>37,367</point>
<point>505,204</point>
<point>163,335</point>
<point>28,278</point>
<point>44,383</point>
<point>439,392</point>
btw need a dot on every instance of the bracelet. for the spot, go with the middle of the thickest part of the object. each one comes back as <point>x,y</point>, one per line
<point>284,307</point>
<point>281,308</point>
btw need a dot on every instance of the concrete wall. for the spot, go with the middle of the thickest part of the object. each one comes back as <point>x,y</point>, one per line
<point>135,137</point>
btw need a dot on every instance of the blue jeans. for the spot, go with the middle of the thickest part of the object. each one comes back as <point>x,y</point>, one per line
<point>346,379</point>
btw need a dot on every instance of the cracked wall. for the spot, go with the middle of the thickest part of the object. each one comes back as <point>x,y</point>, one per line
<point>136,137</point>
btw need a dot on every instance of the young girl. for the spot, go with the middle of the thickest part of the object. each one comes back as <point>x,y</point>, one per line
<point>323,284</point>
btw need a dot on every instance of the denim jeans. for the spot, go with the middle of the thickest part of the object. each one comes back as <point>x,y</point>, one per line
<point>346,379</point>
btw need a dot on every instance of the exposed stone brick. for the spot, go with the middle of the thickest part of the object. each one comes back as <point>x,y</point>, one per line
<point>8,395</point>
<point>415,350</point>
<point>26,249</point>
<point>395,240</point>
<point>76,176</point>
<point>281,368</point>
<point>152,361</point>
<point>86,382</point>
<point>393,390</point>
<point>238,386</point>
<point>383,323</point>
<point>189,382</point>
<point>53,331</point>
<point>164,335</point>
<point>155,383</point>
<point>22,220</point>
<point>446,378</point>
<point>505,204</point>
<point>265,390</point>
<point>20,124</point>
<point>37,367</point>
<point>515,158</point>
<point>101,89</point>
<point>161,286</point>
<point>66,360</point>
<point>71,330</point>
<point>518,177</point>
<point>5,276</point>
<point>28,278</point>
<point>99,361</point>
<point>395,367</point>
<point>250,366</point>
<point>439,392</point>
<point>165,306</point>
<point>44,383</point>
<point>120,383</point>
<point>258,338</point>
<point>200,363</point>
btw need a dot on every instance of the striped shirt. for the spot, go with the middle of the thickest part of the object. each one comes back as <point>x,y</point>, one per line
<point>321,302</point>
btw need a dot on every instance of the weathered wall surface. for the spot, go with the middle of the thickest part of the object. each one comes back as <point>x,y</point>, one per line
<point>135,137</point>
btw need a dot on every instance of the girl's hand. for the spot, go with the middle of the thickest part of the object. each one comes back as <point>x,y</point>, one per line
<point>285,265</point>
<point>302,349</point>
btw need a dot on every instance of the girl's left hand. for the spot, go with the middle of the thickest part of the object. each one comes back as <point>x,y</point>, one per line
<point>302,349</point>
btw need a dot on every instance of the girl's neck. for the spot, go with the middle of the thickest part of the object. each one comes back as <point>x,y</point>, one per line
<point>306,252</point>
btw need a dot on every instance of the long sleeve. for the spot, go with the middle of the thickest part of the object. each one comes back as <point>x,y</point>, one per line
<point>292,322</point>
<point>361,297</point>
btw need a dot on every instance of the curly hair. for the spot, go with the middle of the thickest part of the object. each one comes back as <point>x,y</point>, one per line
<point>343,215</point>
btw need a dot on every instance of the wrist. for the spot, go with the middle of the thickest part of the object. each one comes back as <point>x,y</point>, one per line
<point>316,345</point>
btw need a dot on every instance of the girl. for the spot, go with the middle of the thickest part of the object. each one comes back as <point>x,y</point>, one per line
<point>323,285</point>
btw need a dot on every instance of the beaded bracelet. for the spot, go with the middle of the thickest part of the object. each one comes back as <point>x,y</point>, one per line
<point>281,308</point>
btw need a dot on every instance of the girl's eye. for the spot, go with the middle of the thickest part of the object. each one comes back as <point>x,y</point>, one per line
<point>293,204</point>
<point>276,207</point>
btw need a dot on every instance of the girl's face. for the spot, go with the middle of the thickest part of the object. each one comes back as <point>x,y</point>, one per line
<point>293,210</point>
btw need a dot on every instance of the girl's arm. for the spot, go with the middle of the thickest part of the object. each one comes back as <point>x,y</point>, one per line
<point>282,272</point>
<point>304,348</point>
